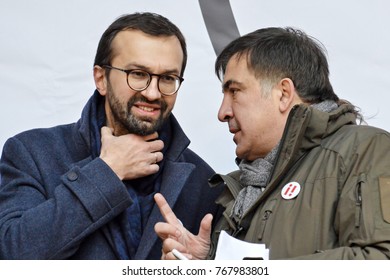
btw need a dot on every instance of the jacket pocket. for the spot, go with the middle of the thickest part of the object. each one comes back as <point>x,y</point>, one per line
<point>384,190</point>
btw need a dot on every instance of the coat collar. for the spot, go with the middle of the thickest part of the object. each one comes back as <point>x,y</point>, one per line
<point>306,127</point>
<point>175,175</point>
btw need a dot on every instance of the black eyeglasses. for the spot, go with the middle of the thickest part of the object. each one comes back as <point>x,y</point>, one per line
<point>139,80</point>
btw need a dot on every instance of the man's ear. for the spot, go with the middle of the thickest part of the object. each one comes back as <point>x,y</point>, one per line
<point>99,75</point>
<point>288,96</point>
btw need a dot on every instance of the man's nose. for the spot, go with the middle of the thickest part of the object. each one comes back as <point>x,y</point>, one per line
<point>225,110</point>
<point>152,92</point>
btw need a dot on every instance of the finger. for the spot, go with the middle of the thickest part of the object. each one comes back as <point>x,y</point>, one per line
<point>106,131</point>
<point>171,256</point>
<point>155,146</point>
<point>169,244</point>
<point>179,255</point>
<point>205,227</point>
<point>153,158</point>
<point>166,211</point>
<point>151,137</point>
<point>157,156</point>
<point>165,230</point>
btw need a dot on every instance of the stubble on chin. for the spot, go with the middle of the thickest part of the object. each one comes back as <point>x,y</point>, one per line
<point>124,121</point>
<point>145,126</point>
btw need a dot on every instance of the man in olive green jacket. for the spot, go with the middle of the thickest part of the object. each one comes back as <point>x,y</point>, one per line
<point>312,183</point>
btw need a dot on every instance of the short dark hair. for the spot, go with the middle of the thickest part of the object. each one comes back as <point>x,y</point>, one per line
<point>275,53</point>
<point>149,23</point>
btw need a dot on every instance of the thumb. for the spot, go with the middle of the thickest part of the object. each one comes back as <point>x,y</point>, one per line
<point>106,131</point>
<point>205,228</point>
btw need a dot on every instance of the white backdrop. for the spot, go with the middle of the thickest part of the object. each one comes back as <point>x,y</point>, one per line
<point>47,50</point>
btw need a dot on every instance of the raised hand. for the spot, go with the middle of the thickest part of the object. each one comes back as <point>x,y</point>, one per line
<point>131,156</point>
<point>175,236</point>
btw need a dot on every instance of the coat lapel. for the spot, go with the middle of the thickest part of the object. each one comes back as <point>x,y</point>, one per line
<point>174,177</point>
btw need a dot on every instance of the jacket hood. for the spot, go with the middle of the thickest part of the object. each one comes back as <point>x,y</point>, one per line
<point>307,126</point>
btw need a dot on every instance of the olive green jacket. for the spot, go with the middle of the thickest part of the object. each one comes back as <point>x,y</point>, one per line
<point>343,208</point>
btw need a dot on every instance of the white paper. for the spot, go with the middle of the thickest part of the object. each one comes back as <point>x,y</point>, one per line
<point>230,248</point>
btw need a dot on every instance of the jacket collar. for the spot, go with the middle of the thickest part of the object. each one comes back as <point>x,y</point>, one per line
<point>305,129</point>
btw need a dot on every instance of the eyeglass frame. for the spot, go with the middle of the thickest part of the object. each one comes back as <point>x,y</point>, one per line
<point>128,71</point>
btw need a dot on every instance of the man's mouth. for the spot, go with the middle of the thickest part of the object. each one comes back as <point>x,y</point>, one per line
<point>149,109</point>
<point>233,129</point>
<point>145,108</point>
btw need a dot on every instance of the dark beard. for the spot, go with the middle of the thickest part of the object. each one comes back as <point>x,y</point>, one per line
<point>133,124</point>
<point>144,126</point>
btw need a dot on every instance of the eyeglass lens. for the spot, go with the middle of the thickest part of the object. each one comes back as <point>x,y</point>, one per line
<point>139,80</point>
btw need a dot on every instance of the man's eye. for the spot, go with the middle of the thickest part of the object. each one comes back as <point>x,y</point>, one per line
<point>233,90</point>
<point>138,74</point>
<point>167,78</point>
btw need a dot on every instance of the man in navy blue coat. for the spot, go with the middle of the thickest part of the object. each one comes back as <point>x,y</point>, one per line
<point>85,190</point>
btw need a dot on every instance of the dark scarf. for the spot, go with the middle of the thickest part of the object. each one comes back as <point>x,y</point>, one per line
<point>126,229</point>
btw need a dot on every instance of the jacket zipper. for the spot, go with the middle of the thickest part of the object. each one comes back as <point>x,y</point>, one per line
<point>359,202</point>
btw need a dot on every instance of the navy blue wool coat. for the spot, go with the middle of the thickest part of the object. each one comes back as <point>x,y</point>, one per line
<point>57,197</point>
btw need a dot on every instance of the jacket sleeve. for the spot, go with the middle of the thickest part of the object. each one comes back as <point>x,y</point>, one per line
<point>362,219</point>
<point>43,221</point>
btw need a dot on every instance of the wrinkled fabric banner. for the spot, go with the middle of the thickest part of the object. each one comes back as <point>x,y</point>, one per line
<point>220,23</point>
